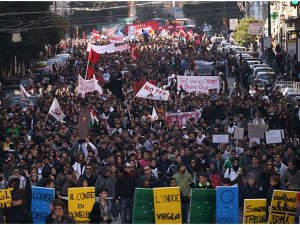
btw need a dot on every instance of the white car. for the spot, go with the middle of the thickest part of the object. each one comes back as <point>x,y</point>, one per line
<point>63,57</point>
<point>57,62</point>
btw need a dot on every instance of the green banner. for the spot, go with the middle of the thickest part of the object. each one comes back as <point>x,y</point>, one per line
<point>143,208</point>
<point>203,206</point>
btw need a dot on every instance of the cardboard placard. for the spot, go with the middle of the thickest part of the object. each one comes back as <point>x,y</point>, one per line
<point>143,207</point>
<point>227,201</point>
<point>203,206</point>
<point>238,133</point>
<point>273,136</point>
<point>255,211</point>
<point>80,203</point>
<point>283,207</point>
<point>167,205</point>
<point>257,131</point>
<point>5,198</point>
<point>40,204</point>
<point>220,138</point>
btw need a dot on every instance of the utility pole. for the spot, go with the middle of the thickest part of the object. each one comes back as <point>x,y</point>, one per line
<point>269,19</point>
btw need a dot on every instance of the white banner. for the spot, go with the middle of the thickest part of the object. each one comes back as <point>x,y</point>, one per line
<point>203,68</point>
<point>85,86</point>
<point>56,111</point>
<point>198,83</point>
<point>110,48</point>
<point>220,138</point>
<point>182,118</point>
<point>25,96</point>
<point>150,91</point>
<point>273,136</point>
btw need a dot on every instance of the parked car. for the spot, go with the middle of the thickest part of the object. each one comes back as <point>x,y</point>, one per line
<point>264,77</point>
<point>63,57</point>
<point>257,70</point>
<point>14,84</point>
<point>56,61</point>
<point>11,101</point>
<point>42,67</point>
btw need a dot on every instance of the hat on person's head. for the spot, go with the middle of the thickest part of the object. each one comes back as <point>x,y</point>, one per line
<point>185,137</point>
<point>11,179</point>
<point>251,176</point>
<point>183,127</point>
<point>127,165</point>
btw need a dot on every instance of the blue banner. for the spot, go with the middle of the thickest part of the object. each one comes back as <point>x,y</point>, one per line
<point>40,206</point>
<point>227,200</point>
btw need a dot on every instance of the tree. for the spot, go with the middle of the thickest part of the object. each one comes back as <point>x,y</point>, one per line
<point>37,26</point>
<point>241,35</point>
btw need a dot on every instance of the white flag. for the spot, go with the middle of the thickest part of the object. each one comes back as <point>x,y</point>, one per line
<point>25,96</point>
<point>85,86</point>
<point>55,111</point>
<point>154,114</point>
<point>150,91</point>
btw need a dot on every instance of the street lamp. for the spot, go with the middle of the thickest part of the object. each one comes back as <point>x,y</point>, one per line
<point>282,22</point>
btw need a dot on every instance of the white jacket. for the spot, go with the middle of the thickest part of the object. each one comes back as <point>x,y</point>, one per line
<point>231,174</point>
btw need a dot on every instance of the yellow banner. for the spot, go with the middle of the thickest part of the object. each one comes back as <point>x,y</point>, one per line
<point>5,198</point>
<point>80,203</point>
<point>283,207</point>
<point>254,211</point>
<point>167,205</point>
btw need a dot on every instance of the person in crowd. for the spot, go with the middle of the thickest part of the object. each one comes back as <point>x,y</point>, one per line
<point>249,191</point>
<point>280,168</point>
<point>66,179</point>
<point>267,172</point>
<point>291,177</point>
<point>125,187</point>
<point>50,218</point>
<point>203,182</point>
<point>233,172</point>
<point>61,216</point>
<point>100,212</point>
<point>18,213</point>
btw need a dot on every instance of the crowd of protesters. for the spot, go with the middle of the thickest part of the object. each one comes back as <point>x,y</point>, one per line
<point>136,151</point>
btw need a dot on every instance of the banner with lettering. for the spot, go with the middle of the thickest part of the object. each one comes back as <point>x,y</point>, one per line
<point>80,203</point>
<point>137,85</point>
<point>255,211</point>
<point>283,207</point>
<point>5,198</point>
<point>110,48</point>
<point>167,205</point>
<point>182,118</point>
<point>257,130</point>
<point>150,91</point>
<point>40,204</point>
<point>203,68</point>
<point>227,201</point>
<point>143,206</point>
<point>200,84</point>
<point>86,86</point>
<point>203,206</point>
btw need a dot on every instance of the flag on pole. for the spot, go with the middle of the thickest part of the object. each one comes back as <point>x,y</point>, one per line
<point>90,72</point>
<point>133,52</point>
<point>150,91</point>
<point>25,96</point>
<point>154,114</point>
<point>93,56</point>
<point>83,36</point>
<point>95,34</point>
<point>56,111</point>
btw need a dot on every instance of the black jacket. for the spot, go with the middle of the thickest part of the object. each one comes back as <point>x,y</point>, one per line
<point>125,185</point>
<point>96,215</point>
<point>17,214</point>
<point>248,192</point>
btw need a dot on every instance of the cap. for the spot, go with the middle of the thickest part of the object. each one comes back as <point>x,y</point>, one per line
<point>185,137</point>
<point>127,165</point>
<point>12,178</point>
<point>183,127</point>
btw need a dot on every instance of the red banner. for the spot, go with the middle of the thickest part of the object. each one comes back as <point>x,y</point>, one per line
<point>153,24</point>
<point>139,84</point>
<point>90,72</point>
<point>93,56</point>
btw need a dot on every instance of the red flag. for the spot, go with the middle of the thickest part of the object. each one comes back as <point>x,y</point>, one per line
<point>95,34</point>
<point>198,41</point>
<point>133,52</point>
<point>137,85</point>
<point>90,72</point>
<point>93,56</point>
<point>83,35</point>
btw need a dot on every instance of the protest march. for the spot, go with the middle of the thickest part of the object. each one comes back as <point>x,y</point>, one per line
<point>144,127</point>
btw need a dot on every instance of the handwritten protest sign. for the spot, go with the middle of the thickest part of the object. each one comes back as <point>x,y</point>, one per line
<point>283,207</point>
<point>137,85</point>
<point>227,201</point>
<point>238,133</point>
<point>143,207</point>
<point>150,91</point>
<point>220,138</point>
<point>273,136</point>
<point>167,205</point>
<point>200,84</point>
<point>182,118</point>
<point>254,211</point>
<point>5,198</point>
<point>203,206</point>
<point>257,131</point>
<point>203,67</point>
<point>80,203</point>
<point>40,205</point>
